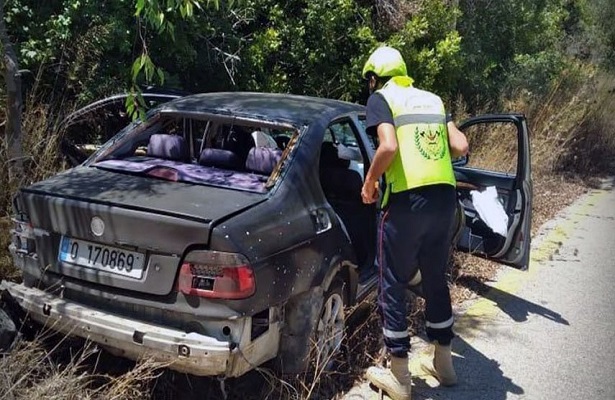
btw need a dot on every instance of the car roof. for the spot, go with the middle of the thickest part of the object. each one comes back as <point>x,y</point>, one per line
<point>267,106</point>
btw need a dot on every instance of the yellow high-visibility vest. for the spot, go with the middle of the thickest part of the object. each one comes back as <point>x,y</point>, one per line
<point>423,157</point>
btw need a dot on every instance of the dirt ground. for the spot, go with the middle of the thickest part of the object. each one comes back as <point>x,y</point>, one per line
<point>551,195</point>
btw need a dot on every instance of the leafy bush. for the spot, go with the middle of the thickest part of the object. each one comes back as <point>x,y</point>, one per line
<point>535,73</point>
<point>603,12</point>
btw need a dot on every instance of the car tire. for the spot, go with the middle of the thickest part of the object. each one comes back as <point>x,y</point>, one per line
<point>311,318</point>
<point>329,332</point>
<point>8,331</point>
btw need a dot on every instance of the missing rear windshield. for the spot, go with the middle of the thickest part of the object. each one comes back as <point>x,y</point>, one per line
<point>218,151</point>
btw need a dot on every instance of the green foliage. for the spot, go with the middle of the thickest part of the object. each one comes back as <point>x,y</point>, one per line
<point>156,13</point>
<point>603,13</point>
<point>319,51</point>
<point>500,38</point>
<point>431,47</point>
<point>162,16</point>
<point>73,49</point>
<point>85,49</point>
<point>533,74</point>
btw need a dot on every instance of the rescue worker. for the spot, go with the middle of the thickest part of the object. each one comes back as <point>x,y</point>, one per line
<point>416,143</point>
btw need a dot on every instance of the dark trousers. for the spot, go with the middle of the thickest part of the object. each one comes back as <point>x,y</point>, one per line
<point>415,231</point>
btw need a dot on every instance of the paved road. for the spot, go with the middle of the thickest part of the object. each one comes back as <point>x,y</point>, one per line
<point>544,334</point>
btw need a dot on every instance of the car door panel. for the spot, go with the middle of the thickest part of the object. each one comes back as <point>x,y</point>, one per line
<point>482,179</point>
<point>514,191</point>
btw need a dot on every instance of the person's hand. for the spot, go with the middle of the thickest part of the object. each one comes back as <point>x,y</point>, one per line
<point>369,192</point>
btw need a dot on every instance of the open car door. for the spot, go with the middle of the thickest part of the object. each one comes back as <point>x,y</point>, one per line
<point>499,157</point>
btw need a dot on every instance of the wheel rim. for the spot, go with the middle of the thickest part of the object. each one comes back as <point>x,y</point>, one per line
<point>330,330</point>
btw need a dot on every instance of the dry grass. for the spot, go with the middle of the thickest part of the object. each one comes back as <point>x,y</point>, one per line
<point>40,143</point>
<point>572,128</point>
<point>58,368</point>
<point>41,160</point>
<point>7,271</point>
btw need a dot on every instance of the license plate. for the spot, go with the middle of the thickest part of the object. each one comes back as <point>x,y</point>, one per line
<point>101,257</point>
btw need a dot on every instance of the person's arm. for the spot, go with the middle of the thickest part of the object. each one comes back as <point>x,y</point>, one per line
<point>457,141</point>
<point>385,153</point>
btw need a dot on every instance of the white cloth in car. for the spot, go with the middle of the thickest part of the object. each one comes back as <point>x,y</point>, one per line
<point>490,209</point>
<point>348,153</point>
<point>261,139</point>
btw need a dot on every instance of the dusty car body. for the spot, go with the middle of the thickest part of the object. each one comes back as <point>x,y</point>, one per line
<point>226,230</point>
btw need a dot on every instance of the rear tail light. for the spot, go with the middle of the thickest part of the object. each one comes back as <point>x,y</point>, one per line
<point>216,275</point>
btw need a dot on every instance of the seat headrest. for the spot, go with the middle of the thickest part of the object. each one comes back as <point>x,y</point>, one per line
<point>220,158</point>
<point>238,141</point>
<point>263,160</point>
<point>170,147</point>
<point>329,157</point>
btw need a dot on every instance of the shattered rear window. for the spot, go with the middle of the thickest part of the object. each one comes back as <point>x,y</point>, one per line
<point>207,149</point>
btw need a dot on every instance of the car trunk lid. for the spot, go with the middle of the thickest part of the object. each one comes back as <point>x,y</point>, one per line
<point>86,217</point>
<point>183,200</point>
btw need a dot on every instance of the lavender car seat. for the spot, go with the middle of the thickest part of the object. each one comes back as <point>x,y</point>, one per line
<point>263,160</point>
<point>169,147</point>
<point>220,159</point>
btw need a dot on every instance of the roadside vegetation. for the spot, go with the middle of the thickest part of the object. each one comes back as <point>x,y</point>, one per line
<point>551,60</point>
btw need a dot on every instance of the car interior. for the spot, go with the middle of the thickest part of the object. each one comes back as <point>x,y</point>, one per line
<point>341,177</point>
<point>501,171</point>
<point>216,153</point>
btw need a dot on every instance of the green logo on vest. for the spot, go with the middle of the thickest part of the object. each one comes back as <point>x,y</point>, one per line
<point>430,143</point>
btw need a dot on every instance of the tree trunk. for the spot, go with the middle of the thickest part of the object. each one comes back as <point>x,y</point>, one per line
<point>12,78</point>
<point>454,4</point>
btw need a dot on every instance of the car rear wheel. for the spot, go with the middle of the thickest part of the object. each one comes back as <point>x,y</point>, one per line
<point>330,328</point>
<point>313,330</point>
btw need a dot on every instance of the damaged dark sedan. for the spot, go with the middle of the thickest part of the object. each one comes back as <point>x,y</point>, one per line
<point>226,230</point>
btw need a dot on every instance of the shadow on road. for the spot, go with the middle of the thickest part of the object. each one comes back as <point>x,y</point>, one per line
<point>517,308</point>
<point>479,378</point>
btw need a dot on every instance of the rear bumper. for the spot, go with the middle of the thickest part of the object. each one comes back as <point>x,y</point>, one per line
<point>185,352</point>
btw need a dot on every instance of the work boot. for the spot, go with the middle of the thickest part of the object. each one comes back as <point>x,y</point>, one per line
<point>416,279</point>
<point>442,368</point>
<point>415,284</point>
<point>396,381</point>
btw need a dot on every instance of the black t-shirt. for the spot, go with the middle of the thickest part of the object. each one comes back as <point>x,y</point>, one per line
<point>379,112</point>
